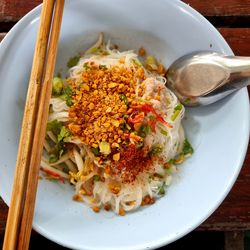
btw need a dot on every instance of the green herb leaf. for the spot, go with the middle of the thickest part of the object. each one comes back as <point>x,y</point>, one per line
<point>67,93</point>
<point>187,148</point>
<point>55,127</point>
<point>64,133</point>
<point>73,61</point>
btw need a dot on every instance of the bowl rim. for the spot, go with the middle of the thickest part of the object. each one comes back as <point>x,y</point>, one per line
<point>34,15</point>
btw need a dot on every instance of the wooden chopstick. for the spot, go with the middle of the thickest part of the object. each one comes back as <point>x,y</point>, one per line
<point>27,131</point>
<point>40,129</point>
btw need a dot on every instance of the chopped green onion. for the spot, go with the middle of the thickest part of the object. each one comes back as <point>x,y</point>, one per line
<point>95,151</point>
<point>137,62</point>
<point>96,177</point>
<point>125,126</point>
<point>67,95</point>
<point>73,61</point>
<point>161,190</point>
<point>86,66</point>
<point>164,132</point>
<point>93,50</point>
<point>187,148</point>
<point>103,67</point>
<point>57,86</point>
<point>144,130</point>
<point>124,98</point>
<point>155,150</point>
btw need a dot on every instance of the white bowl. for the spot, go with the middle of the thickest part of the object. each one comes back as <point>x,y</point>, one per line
<point>219,133</point>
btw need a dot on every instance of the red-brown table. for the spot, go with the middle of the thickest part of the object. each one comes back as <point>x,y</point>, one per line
<point>232,18</point>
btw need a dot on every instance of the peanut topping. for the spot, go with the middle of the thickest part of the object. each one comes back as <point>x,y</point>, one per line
<point>98,109</point>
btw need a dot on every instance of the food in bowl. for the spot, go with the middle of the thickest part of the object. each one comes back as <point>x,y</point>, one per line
<point>114,129</point>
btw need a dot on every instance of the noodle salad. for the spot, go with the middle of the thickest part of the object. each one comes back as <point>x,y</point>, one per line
<point>114,130</point>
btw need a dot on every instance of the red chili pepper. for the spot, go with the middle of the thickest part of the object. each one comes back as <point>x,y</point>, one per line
<point>55,175</point>
<point>160,119</point>
<point>136,118</point>
<point>147,108</point>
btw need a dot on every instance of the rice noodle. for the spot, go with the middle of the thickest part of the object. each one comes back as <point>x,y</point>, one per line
<point>81,161</point>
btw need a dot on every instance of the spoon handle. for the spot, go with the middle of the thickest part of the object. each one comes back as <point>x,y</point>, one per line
<point>237,65</point>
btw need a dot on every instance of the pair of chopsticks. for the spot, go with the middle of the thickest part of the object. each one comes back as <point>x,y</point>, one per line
<point>22,205</point>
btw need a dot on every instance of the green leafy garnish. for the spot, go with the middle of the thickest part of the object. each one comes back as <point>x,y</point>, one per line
<point>124,98</point>
<point>55,127</point>
<point>73,61</point>
<point>187,148</point>
<point>164,132</point>
<point>67,95</point>
<point>64,133</point>
<point>95,151</point>
<point>57,86</point>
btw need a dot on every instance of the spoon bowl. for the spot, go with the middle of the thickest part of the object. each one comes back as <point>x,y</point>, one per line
<point>204,77</point>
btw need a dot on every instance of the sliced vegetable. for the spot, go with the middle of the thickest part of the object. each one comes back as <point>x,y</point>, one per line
<point>187,148</point>
<point>73,61</point>
<point>57,86</point>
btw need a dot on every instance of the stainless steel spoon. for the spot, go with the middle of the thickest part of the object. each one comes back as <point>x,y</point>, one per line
<point>204,77</point>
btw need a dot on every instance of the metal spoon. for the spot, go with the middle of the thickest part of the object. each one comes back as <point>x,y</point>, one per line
<point>204,77</point>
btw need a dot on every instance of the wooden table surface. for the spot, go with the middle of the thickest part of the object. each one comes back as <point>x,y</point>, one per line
<point>232,18</point>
